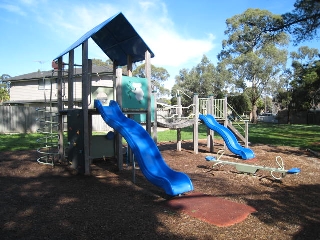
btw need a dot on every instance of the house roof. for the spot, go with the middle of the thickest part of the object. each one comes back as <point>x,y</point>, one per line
<point>117,39</point>
<point>47,74</point>
<point>24,102</point>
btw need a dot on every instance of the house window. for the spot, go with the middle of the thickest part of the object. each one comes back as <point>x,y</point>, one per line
<point>44,84</point>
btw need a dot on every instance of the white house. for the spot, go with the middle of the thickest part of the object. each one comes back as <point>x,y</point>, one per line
<point>38,88</point>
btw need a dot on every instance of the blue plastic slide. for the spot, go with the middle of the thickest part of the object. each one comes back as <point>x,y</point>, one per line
<point>145,151</point>
<point>229,138</point>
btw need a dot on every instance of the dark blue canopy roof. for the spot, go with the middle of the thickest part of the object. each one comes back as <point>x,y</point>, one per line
<point>117,39</point>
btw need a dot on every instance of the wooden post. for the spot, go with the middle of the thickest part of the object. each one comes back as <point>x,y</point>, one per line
<point>208,129</point>
<point>119,101</point>
<point>246,122</point>
<point>60,108</point>
<point>85,102</point>
<point>118,86</point>
<point>90,104</point>
<point>117,76</point>
<point>129,151</point>
<point>129,65</point>
<point>225,116</point>
<point>225,111</point>
<point>114,81</point>
<point>179,113</point>
<point>155,129</point>
<point>70,79</point>
<point>148,76</point>
<point>178,139</point>
<point>210,137</point>
<point>195,125</point>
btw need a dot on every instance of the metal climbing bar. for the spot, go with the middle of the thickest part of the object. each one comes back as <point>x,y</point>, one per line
<point>49,140</point>
<point>49,126</point>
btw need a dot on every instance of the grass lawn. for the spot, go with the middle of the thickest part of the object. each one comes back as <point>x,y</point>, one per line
<point>303,136</point>
<point>295,135</point>
<point>15,142</point>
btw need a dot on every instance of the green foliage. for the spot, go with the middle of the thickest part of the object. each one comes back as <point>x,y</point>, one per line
<point>99,62</point>
<point>4,95</point>
<point>164,100</point>
<point>108,63</point>
<point>260,104</point>
<point>253,55</point>
<point>303,22</point>
<point>305,84</point>
<point>4,88</point>
<point>240,103</point>
<point>202,79</point>
<point>283,98</point>
<point>159,75</point>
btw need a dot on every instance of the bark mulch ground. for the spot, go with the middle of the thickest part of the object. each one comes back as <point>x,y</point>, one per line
<point>41,202</point>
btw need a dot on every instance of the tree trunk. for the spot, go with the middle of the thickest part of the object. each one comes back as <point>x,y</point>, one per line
<point>254,114</point>
<point>288,116</point>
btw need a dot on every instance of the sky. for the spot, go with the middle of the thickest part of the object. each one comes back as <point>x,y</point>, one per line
<point>179,32</point>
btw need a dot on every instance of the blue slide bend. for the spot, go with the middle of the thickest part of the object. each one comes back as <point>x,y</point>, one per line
<point>229,138</point>
<point>145,151</point>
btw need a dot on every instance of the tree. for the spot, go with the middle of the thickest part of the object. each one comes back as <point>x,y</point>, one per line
<point>99,62</point>
<point>306,78</point>
<point>108,63</point>
<point>253,56</point>
<point>158,76</point>
<point>202,79</point>
<point>4,88</point>
<point>240,103</point>
<point>4,95</point>
<point>303,22</point>
<point>283,96</point>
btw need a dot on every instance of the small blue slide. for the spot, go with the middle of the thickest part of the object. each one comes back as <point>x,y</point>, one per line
<point>145,151</point>
<point>229,138</point>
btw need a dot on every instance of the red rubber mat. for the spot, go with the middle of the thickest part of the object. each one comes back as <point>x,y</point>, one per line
<point>214,210</point>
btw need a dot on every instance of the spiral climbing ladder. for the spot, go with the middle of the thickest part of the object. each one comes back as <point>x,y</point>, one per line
<point>48,149</point>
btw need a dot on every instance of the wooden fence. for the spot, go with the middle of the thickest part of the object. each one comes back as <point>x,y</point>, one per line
<point>20,119</point>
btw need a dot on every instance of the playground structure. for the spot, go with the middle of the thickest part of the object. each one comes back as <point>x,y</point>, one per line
<point>209,111</point>
<point>121,43</point>
<point>252,169</point>
<point>129,96</point>
<point>133,97</point>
